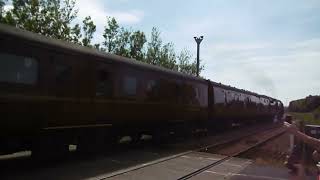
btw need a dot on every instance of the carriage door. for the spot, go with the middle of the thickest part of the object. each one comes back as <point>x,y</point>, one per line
<point>104,91</point>
<point>104,80</point>
<point>64,75</point>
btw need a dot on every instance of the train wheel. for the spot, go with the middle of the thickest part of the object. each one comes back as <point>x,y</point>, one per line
<point>135,138</point>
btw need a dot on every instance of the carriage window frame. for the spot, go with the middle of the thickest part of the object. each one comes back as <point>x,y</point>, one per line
<point>26,62</point>
<point>129,85</point>
<point>197,93</point>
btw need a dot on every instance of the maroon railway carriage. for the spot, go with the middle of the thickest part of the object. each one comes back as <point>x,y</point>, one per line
<point>73,94</point>
<point>234,106</point>
<point>54,93</point>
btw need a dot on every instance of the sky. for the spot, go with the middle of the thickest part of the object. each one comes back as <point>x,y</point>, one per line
<point>270,47</point>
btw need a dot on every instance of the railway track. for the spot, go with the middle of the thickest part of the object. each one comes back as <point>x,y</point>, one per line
<point>127,161</point>
<point>264,134</point>
<point>236,153</point>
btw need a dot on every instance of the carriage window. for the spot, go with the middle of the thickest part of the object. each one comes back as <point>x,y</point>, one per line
<point>130,86</point>
<point>152,89</point>
<point>62,73</point>
<point>104,83</point>
<point>219,96</point>
<point>151,85</point>
<point>18,69</point>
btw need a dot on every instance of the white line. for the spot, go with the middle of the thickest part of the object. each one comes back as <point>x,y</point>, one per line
<point>245,175</point>
<point>79,126</point>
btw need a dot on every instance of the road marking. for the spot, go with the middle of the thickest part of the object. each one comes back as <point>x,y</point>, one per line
<point>79,126</point>
<point>245,175</point>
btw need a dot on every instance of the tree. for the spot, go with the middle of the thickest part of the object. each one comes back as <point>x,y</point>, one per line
<point>51,18</point>
<point>154,48</point>
<point>110,34</point>
<point>76,34</point>
<point>24,15</point>
<point>88,29</point>
<point>137,41</point>
<point>47,17</point>
<point>122,43</point>
<point>167,57</point>
<point>185,64</point>
<point>158,54</point>
<point>2,3</point>
<point>64,15</point>
<point>98,47</point>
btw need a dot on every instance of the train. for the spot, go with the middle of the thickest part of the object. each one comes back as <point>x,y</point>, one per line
<point>54,93</point>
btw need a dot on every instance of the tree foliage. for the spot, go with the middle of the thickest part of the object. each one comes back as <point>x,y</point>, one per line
<point>76,34</point>
<point>154,47</point>
<point>88,29</point>
<point>47,17</point>
<point>137,41</point>
<point>122,43</point>
<point>110,35</point>
<point>159,54</point>
<point>55,19</point>
<point>2,3</point>
<point>186,65</point>
<point>168,57</point>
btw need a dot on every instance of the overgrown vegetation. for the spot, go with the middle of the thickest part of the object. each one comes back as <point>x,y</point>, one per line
<point>56,19</point>
<point>307,109</point>
<point>309,118</point>
<point>307,104</point>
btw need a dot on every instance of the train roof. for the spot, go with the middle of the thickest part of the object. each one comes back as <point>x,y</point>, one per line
<point>24,34</point>
<point>239,90</point>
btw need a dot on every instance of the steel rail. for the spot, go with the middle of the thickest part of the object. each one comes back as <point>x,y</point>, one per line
<point>231,140</point>
<point>190,175</point>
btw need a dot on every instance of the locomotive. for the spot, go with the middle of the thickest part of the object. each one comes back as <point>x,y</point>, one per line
<point>55,93</point>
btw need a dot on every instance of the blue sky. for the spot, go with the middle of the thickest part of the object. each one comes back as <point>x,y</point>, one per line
<point>271,47</point>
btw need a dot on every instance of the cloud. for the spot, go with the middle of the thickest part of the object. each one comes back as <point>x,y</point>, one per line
<point>98,11</point>
<point>287,70</point>
<point>7,7</point>
<point>232,46</point>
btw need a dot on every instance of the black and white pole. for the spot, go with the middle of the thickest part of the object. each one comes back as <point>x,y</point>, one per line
<point>198,40</point>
